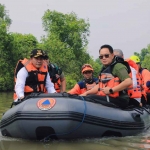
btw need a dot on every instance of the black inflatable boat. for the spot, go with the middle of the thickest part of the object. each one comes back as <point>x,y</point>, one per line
<point>61,116</point>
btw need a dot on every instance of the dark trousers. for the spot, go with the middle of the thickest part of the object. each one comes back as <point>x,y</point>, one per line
<point>119,101</point>
<point>148,98</point>
<point>134,102</point>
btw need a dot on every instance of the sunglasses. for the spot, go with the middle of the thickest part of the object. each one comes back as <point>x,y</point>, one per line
<point>86,65</point>
<point>106,56</point>
<point>87,72</point>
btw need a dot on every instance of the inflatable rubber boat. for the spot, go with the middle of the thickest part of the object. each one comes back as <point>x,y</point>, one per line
<point>62,116</point>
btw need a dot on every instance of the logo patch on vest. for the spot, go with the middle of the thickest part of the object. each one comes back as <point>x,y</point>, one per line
<point>46,103</point>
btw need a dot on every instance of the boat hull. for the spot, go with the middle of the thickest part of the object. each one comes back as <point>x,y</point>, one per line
<point>61,117</point>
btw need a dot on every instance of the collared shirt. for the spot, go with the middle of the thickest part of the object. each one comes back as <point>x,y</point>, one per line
<point>21,79</point>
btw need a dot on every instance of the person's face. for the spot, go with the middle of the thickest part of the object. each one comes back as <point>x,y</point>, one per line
<point>47,61</point>
<point>37,61</point>
<point>105,56</point>
<point>87,74</point>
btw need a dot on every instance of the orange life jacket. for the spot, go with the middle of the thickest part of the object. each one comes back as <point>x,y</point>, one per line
<point>90,86</point>
<point>21,63</point>
<point>82,86</point>
<point>36,79</point>
<point>57,85</point>
<point>143,87</point>
<point>145,75</point>
<point>134,92</point>
<point>107,79</point>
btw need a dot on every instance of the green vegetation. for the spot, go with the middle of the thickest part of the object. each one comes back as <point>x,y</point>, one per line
<point>144,56</point>
<point>65,41</point>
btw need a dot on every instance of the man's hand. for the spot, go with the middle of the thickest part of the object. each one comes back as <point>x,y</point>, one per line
<point>84,94</point>
<point>21,98</point>
<point>106,90</point>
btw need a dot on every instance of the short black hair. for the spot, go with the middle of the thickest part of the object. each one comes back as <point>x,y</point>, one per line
<point>46,55</point>
<point>107,46</point>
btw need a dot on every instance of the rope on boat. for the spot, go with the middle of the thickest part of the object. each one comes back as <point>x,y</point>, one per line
<point>73,130</point>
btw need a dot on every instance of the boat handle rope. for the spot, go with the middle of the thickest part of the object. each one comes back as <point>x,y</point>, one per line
<point>138,110</point>
<point>46,139</point>
<point>141,109</point>
<point>146,110</point>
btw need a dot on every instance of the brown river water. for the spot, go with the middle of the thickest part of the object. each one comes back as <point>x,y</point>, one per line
<point>138,142</point>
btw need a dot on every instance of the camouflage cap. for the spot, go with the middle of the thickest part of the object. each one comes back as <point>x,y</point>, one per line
<point>37,53</point>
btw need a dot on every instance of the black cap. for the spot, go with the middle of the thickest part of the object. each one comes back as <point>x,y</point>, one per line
<point>46,55</point>
<point>37,53</point>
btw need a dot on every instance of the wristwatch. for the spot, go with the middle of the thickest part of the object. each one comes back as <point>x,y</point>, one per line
<point>111,91</point>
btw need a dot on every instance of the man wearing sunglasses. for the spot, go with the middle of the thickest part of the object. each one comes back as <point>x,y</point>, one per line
<point>113,78</point>
<point>87,83</point>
